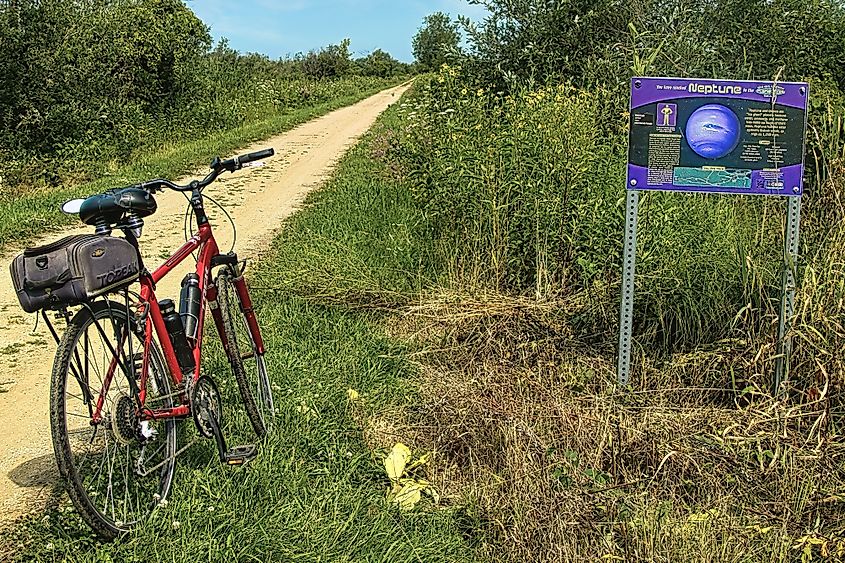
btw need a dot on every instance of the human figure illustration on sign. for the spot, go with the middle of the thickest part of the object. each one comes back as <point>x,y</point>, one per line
<point>669,113</point>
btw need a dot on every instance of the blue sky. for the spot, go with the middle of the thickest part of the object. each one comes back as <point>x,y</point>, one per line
<point>281,28</point>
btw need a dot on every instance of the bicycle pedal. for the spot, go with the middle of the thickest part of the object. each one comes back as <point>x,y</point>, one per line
<point>240,455</point>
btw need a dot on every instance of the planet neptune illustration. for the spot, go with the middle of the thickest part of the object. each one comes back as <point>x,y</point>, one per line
<point>713,131</point>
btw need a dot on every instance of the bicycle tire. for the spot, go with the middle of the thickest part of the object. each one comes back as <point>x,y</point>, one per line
<point>254,375</point>
<point>69,439</point>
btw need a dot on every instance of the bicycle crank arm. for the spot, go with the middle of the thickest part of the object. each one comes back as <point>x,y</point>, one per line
<point>238,455</point>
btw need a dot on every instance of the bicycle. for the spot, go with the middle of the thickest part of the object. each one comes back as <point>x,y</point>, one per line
<point>127,371</point>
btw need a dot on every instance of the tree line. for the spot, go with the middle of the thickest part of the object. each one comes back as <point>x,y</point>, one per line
<point>93,80</point>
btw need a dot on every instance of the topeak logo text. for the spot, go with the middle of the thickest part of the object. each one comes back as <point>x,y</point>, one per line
<point>706,89</point>
<point>117,275</point>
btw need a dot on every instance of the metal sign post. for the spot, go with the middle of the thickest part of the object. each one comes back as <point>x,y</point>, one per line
<point>629,265</point>
<point>787,297</point>
<point>715,136</point>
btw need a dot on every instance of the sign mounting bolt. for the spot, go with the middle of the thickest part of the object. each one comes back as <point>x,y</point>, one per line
<point>634,182</point>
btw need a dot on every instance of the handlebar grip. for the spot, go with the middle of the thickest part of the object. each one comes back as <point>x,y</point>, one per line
<point>258,155</point>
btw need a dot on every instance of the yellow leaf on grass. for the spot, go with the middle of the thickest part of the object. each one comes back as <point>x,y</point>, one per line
<point>395,462</point>
<point>418,463</point>
<point>409,495</point>
<point>353,394</point>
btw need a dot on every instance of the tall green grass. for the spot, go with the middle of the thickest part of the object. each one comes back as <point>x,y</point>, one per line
<point>527,190</point>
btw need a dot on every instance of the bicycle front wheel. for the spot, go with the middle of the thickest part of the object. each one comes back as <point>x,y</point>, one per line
<point>116,466</point>
<point>248,365</point>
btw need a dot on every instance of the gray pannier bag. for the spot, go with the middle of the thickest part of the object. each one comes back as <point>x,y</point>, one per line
<point>73,270</point>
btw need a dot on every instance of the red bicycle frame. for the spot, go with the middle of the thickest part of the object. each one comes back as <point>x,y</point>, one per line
<point>148,309</point>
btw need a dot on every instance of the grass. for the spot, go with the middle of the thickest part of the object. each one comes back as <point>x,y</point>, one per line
<point>559,464</point>
<point>317,490</point>
<point>23,216</point>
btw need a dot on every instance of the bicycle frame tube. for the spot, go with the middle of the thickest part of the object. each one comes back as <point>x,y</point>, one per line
<point>249,313</point>
<point>207,246</point>
<point>205,243</point>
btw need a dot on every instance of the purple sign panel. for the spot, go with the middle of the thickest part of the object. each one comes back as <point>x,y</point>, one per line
<point>717,136</point>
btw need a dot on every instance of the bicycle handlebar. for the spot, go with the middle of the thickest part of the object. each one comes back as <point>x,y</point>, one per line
<point>258,155</point>
<point>217,167</point>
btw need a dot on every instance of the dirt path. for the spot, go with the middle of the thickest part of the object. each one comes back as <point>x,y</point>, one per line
<point>258,199</point>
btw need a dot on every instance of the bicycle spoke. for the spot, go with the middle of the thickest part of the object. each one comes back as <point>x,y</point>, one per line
<point>248,365</point>
<point>101,457</point>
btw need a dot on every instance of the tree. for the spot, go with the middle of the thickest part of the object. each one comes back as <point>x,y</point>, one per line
<point>332,61</point>
<point>437,41</point>
<point>381,64</point>
<point>594,42</point>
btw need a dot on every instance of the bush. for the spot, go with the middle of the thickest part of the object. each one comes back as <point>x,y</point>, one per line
<point>600,43</point>
<point>88,84</point>
<point>379,63</point>
<point>79,74</point>
<point>330,62</point>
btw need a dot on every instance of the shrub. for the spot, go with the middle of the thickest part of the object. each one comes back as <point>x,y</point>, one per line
<point>88,84</point>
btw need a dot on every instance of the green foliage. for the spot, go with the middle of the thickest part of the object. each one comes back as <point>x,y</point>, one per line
<point>329,62</point>
<point>88,85</point>
<point>80,77</point>
<point>498,176</point>
<point>381,64</point>
<point>524,192</point>
<point>437,41</point>
<point>596,43</point>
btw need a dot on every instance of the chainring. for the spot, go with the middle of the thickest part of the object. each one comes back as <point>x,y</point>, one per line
<point>205,402</point>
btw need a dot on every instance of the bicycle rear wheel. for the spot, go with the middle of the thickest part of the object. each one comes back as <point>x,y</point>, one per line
<point>248,366</point>
<point>118,468</point>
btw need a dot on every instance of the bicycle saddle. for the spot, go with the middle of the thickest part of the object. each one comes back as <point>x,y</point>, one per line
<point>118,206</point>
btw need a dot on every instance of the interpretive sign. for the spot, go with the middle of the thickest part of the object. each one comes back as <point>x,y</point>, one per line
<point>719,136</point>
<point>716,136</point>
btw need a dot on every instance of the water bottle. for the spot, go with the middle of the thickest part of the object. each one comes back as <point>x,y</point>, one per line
<point>189,305</point>
<point>173,323</point>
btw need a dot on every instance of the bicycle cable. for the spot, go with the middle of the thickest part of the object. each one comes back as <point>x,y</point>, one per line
<point>186,224</point>
<point>231,221</point>
<point>189,215</point>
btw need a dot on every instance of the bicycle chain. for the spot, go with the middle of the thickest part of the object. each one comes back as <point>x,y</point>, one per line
<point>139,463</point>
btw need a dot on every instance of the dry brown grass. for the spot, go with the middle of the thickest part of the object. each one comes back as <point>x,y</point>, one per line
<point>552,462</point>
